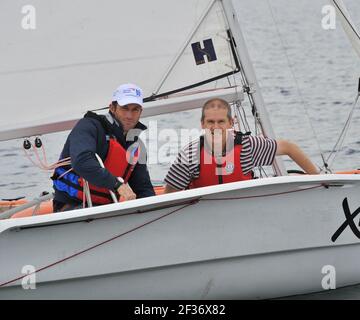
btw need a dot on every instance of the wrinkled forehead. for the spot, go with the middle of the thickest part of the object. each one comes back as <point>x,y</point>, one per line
<point>216,112</point>
<point>216,104</point>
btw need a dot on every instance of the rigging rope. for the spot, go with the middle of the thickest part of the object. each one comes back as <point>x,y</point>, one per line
<point>304,104</point>
<point>240,113</point>
<point>192,202</point>
<point>96,245</point>
<point>339,143</point>
<point>42,164</point>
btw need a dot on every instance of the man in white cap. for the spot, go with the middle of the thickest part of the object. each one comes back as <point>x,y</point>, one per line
<point>114,138</point>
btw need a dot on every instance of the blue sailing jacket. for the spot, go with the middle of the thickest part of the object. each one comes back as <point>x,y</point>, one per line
<point>87,138</point>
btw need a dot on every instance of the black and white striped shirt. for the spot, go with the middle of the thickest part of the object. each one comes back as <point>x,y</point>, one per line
<point>256,151</point>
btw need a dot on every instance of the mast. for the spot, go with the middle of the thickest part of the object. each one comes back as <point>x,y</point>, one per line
<point>250,78</point>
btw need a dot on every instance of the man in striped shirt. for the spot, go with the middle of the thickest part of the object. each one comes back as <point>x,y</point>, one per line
<point>223,156</point>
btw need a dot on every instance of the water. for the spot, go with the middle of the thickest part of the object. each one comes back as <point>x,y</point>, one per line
<point>308,78</point>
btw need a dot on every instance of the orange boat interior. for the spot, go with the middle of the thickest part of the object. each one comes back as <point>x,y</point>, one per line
<point>46,207</point>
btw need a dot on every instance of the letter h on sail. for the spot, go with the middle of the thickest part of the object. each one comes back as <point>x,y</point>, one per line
<point>199,52</point>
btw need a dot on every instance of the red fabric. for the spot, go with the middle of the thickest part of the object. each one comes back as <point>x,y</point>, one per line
<point>211,174</point>
<point>116,162</point>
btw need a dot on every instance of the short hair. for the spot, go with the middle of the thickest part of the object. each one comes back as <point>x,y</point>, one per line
<point>224,103</point>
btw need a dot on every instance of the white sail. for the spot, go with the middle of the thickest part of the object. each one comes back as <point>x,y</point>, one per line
<point>79,52</point>
<point>211,31</point>
<point>348,25</point>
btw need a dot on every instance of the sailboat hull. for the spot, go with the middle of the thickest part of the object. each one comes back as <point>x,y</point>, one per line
<point>273,240</point>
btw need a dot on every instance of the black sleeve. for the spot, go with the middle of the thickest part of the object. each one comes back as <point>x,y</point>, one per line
<point>84,142</point>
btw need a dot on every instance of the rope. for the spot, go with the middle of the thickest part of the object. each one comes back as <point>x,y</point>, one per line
<point>240,113</point>
<point>263,195</point>
<point>95,246</point>
<point>148,223</point>
<point>43,165</point>
<point>304,104</point>
<point>340,141</point>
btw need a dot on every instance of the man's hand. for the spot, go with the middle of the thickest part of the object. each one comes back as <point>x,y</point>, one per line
<point>126,192</point>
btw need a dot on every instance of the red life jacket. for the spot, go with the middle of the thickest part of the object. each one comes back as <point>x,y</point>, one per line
<point>119,163</point>
<point>224,170</point>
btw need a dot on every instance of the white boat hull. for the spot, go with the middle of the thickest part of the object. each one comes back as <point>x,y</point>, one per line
<point>273,240</point>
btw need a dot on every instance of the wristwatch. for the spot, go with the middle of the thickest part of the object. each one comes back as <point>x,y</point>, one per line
<point>118,183</point>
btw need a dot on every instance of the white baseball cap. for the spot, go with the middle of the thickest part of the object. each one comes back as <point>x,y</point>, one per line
<point>128,93</point>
